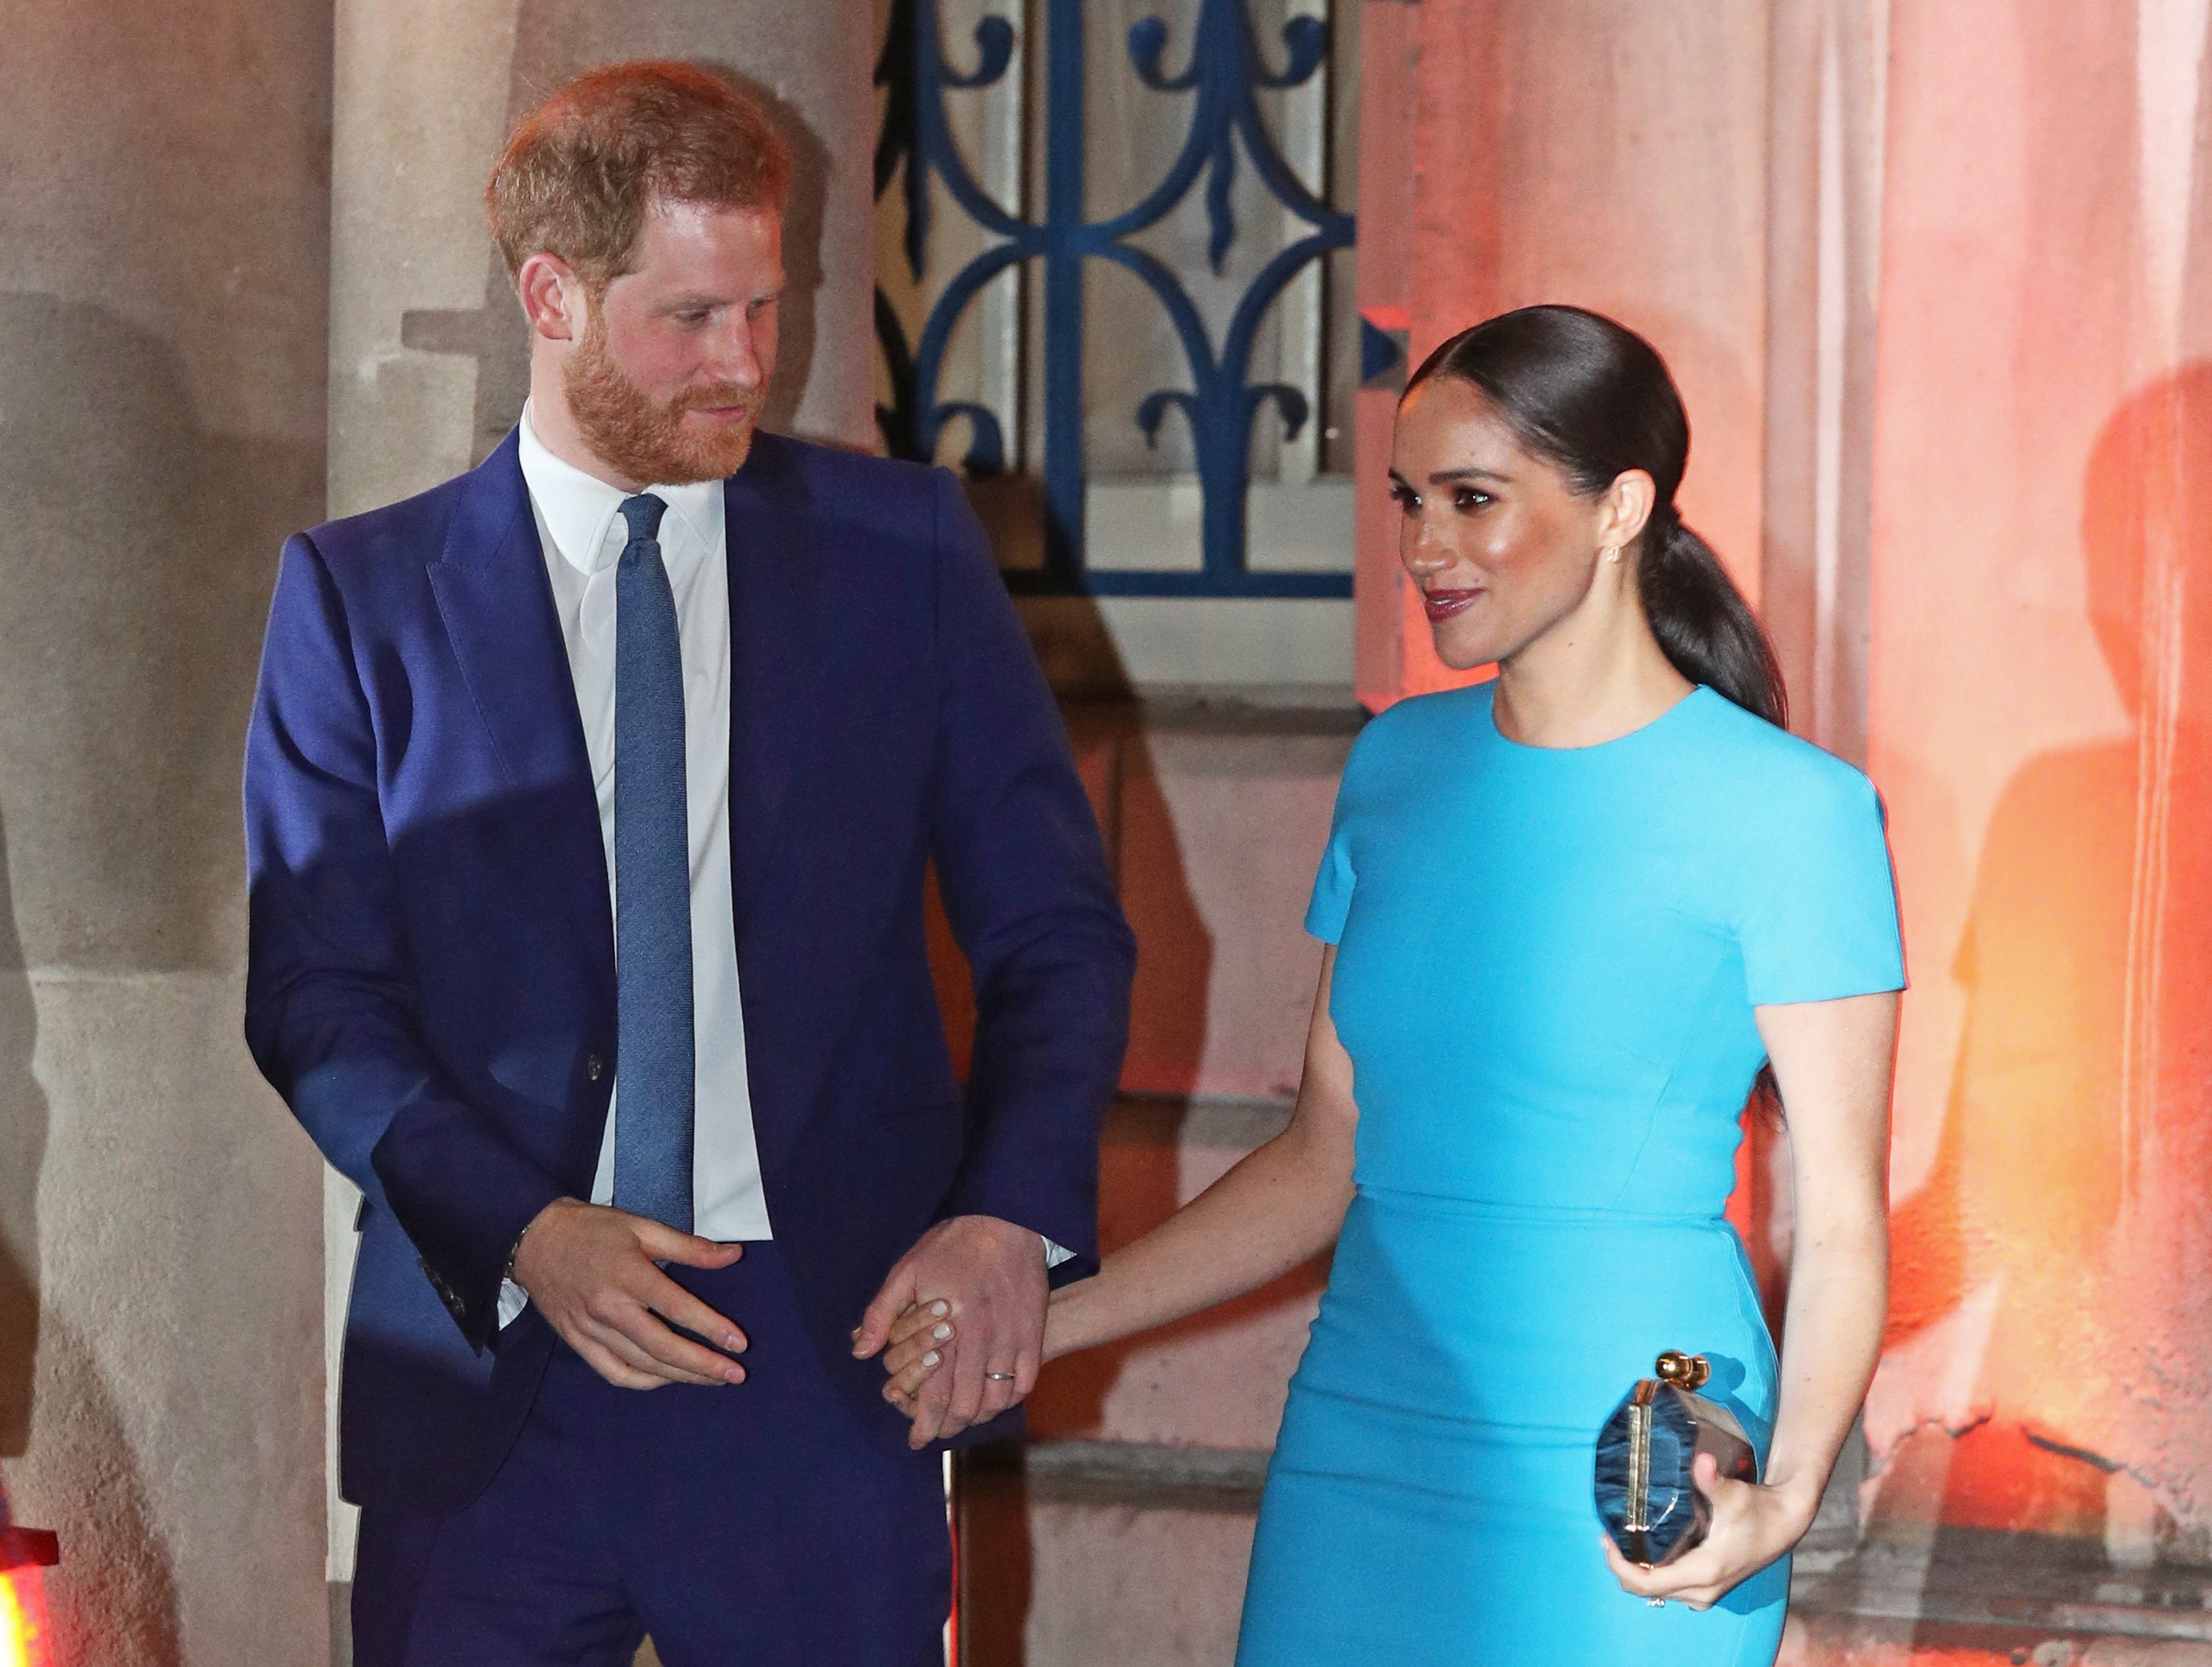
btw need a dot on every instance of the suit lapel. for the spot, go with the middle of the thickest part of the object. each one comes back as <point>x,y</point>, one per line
<point>777,603</point>
<point>497,605</point>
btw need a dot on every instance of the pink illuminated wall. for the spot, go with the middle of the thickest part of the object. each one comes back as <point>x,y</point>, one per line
<point>2004,603</point>
<point>1609,153</point>
<point>2042,506</point>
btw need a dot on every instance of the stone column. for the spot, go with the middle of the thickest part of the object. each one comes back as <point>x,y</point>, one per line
<point>1824,252</point>
<point>163,307</point>
<point>428,357</point>
<point>1609,155</point>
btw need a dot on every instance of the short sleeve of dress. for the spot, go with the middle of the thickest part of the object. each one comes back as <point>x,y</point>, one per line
<point>1331,892</point>
<point>1821,922</point>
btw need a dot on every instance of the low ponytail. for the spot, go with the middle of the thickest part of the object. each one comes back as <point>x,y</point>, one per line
<point>1596,398</point>
<point>1704,625</point>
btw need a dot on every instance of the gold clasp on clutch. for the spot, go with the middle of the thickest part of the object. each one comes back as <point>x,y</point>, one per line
<point>1682,1371</point>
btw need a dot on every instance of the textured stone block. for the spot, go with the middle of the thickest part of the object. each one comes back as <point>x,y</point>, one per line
<point>1216,1380</point>
<point>1214,819</point>
<point>1220,835</point>
<point>176,1410</point>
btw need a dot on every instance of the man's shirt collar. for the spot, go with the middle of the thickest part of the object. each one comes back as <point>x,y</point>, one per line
<point>582,514</point>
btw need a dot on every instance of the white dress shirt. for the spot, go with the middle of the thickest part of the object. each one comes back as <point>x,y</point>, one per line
<point>581,530</point>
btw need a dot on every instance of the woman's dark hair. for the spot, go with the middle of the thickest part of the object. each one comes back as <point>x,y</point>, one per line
<point>1595,399</point>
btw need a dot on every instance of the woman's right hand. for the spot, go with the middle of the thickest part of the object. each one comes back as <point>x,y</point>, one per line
<point>1278,1207</point>
<point>923,1337</point>
<point>920,1338</point>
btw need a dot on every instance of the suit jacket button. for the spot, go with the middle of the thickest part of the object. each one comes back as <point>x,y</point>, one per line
<point>594,1066</point>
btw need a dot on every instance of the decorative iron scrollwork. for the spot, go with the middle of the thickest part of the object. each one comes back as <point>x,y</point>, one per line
<point>1225,72</point>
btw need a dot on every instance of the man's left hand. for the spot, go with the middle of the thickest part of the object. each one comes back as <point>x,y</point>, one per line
<point>990,1276</point>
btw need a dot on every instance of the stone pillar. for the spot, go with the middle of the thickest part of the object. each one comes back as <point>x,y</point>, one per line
<point>428,357</point>
<point>162,308</point>
<point>1610,153</point>
<point>1824,252</point>
<point>2043,608</point>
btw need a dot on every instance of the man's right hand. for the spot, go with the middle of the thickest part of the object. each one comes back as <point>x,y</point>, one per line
<point>590,1271</point>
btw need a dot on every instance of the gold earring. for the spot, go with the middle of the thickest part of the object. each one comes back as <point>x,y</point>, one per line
<point>1612,552</point>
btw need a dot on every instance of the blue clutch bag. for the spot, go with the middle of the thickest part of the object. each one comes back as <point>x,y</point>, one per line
<point>1645,1497</point>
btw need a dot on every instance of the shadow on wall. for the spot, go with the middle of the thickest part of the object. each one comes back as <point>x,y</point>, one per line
<point>128,649</point>
<point>2062,1221</point>
<point>554,41</point>
<point>127,657</point>
<point>2053,1267</point>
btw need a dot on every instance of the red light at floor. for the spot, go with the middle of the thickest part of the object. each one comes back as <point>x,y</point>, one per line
<point>23,1619</point>
<point>24,1553</point>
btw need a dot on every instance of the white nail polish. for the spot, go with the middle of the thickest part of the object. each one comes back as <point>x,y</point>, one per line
<point>941,1333</point>
<point>930,1359</point>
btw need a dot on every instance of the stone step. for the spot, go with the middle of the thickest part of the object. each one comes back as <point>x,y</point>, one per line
<point>1107,1554</point>
<point>2033,1589</point>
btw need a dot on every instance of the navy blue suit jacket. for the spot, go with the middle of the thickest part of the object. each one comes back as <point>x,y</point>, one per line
<point>431,979</point>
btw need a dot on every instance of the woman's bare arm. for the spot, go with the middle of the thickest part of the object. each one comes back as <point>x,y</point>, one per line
<point>1279,1207</point>
<point>1841,1063</point>
<point>1834,1061</point>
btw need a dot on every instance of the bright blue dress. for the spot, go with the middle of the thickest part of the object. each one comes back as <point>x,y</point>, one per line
<point>1546,965</point>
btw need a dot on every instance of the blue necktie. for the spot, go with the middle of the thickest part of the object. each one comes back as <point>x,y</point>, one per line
<point>652,886</point>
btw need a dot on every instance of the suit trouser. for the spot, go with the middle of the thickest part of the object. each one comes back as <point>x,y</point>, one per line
<point>757,1524</point>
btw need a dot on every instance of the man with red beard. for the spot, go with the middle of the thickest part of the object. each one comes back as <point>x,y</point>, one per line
<point>588,802</point>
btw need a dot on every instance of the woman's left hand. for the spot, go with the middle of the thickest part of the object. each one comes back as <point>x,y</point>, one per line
<point>1752,1526</point>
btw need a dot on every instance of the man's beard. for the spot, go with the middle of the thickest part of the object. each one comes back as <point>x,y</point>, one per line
<point>645,439</point>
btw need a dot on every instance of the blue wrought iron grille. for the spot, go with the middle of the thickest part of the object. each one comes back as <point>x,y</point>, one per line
<point>1226,71</point>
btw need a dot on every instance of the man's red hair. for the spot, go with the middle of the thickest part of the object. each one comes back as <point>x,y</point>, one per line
<point>584,168</point>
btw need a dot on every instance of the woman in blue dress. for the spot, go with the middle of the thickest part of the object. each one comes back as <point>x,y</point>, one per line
<point>1571,913</point>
